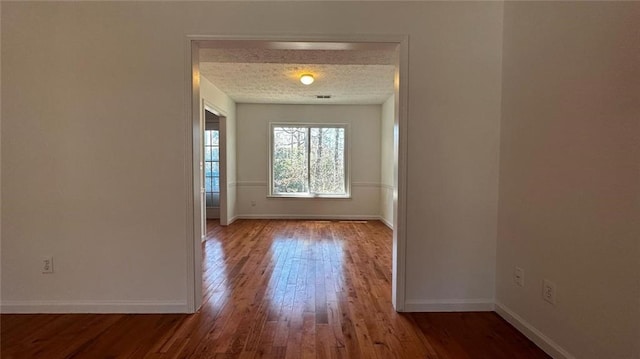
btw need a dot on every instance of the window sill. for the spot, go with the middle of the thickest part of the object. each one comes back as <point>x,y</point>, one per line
<point>311,196</point>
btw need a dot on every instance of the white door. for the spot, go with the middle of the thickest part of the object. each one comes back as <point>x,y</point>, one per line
<point>212,166</point>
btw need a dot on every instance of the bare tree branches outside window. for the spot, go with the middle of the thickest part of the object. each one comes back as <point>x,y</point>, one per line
<point>308,160</point>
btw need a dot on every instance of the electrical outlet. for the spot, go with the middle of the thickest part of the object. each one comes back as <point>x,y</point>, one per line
<point>549,291</point>
<point>47,264</point>
<point>518,276</point>
<point>253,203</point>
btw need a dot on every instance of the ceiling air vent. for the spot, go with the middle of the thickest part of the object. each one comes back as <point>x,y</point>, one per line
<point>323,96</point>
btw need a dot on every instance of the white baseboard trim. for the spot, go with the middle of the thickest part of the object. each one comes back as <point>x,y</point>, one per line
<point>545,343</point>
<point>98,306</point>
<point>232,219</point>
<point>386,223</point>
<point>343,217</point>
<point>451,305</point>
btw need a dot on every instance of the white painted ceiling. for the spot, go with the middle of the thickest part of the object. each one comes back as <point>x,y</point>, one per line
<point>264,75</point>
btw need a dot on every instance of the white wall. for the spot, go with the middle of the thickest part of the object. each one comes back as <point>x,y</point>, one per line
<point>213,96</point>
<point>387,160</point>
<point>454,104</point>
<point>364,163</point>
<point>569,174</point>
<point>0,158</point>
<point>93,161</point>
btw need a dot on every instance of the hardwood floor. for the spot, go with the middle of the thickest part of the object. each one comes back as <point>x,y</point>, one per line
<point>278,289</point>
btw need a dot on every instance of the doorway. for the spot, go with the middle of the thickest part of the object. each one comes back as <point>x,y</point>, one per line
<point>194,270</point>
<point>211,164</point>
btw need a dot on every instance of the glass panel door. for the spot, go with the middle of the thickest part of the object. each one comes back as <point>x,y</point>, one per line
<point>212,168</point>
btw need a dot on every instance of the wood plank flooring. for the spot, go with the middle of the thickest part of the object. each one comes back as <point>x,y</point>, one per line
<point>278,289</point>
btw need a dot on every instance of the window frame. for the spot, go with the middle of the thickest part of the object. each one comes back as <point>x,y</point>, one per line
<point>211,126</point>
<point>309,125</point>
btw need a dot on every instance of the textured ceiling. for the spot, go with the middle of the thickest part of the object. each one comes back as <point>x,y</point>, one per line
<point>337,57</point>
<point>251,75</point>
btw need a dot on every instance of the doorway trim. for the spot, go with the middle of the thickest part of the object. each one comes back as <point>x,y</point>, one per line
<point>192,153</point>
<point>222,115</point>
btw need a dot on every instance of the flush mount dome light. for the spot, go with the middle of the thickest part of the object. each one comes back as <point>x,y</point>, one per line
<point>306,79</point>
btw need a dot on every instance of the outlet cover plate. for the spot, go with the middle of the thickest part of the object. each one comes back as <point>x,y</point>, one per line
<point>518,276</point>
<point>47,264</point>
<point>549,291</point>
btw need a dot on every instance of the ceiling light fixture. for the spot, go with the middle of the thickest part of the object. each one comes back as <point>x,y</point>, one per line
<point>306,79</point>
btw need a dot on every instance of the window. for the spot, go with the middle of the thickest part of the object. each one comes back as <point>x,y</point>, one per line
<point>212,166</point>
<point>308,160</point>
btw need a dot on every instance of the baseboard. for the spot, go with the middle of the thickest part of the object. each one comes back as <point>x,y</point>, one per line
<point>545,343</point>
<point>355,217</point>
<point>452,305</point>
<point>386,223</point>
<point>233,219</point>
<point>99,306</point>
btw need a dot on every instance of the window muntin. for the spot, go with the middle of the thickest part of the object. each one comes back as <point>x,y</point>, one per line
<point>309,160</point>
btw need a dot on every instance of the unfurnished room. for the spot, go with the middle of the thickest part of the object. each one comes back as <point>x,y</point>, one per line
<point>320,179</point>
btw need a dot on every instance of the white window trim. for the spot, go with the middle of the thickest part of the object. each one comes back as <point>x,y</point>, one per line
<point>347,161</point>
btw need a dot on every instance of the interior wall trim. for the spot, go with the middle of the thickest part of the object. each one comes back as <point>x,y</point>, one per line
<point>545,343</point>
<point>96,306</point>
